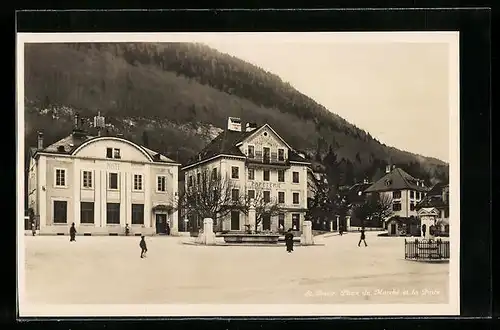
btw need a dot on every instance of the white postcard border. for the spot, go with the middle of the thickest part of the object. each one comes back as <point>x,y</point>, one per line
<point>296,310</point>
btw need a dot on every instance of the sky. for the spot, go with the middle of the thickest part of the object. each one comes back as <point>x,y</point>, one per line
<point>396,90</point>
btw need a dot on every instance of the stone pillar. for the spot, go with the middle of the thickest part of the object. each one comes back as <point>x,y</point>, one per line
<point>331,225</point>
<point>337,219</point>
<point>207,236</point>
<point>42,201</point>
<point>307,237</point>
<point>252,215</point>
<point>76,193</point>
<point>174,228</point>
<point>348,222</point>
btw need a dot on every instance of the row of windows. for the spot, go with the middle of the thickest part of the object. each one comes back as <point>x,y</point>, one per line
<point>87,213</point>
<point>397,206</point>
<point>266,196</point>
<point>266,221</point>
<point>113,182</point>
<point>397,194</point>
<point>266,174</point>
<point>235,174</point>
<point>265,153</point>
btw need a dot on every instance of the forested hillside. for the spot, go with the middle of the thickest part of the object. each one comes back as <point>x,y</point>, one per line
<point>179,96</point>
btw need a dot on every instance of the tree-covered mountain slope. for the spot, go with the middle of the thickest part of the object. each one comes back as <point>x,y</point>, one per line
<point>181,94</point>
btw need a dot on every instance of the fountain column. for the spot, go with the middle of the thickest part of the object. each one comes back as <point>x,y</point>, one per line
<point>307,237</point>
<point>252,215</point>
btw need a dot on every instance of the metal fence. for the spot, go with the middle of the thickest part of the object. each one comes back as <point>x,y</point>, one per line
<point>425,249</point>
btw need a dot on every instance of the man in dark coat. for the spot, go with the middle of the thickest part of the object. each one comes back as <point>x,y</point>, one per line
<point>72,233</point>
<point>362,238</point>
<point>143,246</point>
<point>289,240</point>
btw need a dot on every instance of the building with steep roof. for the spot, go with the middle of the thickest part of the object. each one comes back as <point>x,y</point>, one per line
<point>438,197</point>
<point>404,191</point>
<point>255,159</point>
<point>101,183</point>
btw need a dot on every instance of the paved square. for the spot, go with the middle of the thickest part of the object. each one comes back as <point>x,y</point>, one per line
<point>109,270</point>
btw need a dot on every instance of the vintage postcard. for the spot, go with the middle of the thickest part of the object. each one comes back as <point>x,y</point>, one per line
<point>238,174</point>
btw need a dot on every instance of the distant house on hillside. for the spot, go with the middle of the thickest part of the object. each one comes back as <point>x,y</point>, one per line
<point>405,191</point>
<point>438,197</point>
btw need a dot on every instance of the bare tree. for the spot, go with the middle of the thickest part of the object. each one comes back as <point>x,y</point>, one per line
<point>210,196</point>
<point>377,207</point>
<point>264,205</point>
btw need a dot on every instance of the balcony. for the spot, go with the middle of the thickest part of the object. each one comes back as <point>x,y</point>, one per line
<point>266,160</point>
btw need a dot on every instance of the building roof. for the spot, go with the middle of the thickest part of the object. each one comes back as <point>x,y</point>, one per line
<point>406,220</point>
<point>437,189</point>
<point>434,197</point>
<point>353,192</point>
<point>397,179</point>
<point>70,143</point>
<point>226,143</point>
<point>431,201</point>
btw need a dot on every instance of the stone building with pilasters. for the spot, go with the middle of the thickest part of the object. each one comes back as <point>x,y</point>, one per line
<point>101,183</point>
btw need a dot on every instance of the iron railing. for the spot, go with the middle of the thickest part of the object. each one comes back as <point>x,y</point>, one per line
<point>427,249</point>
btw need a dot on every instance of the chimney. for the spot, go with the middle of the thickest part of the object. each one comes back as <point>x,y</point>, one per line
<point>388,169</point>
<point>250,127</point>
<point>234,124</point>
<point>40,141</point>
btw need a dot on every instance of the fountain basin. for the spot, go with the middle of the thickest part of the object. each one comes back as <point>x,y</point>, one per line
<point>251,238</point>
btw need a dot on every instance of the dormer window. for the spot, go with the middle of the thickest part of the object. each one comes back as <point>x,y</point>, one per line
<point>113,153</point>
<point>387,182</point>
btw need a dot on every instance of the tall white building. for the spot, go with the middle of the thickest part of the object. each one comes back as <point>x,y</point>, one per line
<point>257,161</point>
<point>404,192</point>
<point>101,183</point>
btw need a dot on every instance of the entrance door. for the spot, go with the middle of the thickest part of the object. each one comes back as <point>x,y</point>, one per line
<point>235,220</point>
<point>161,223</point>
<point>393,229</point>
<point>266,222</point>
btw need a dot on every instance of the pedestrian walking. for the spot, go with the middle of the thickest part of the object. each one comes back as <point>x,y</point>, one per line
<point>362,238</point>
<point>289,240</point>
<point>127,229</point>
<point>143,246</point>
<point>72,233</point>
<point>33,228</point>
<point>167,229</point>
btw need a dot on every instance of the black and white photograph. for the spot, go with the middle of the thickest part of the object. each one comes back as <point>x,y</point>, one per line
<point>238,174</point>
